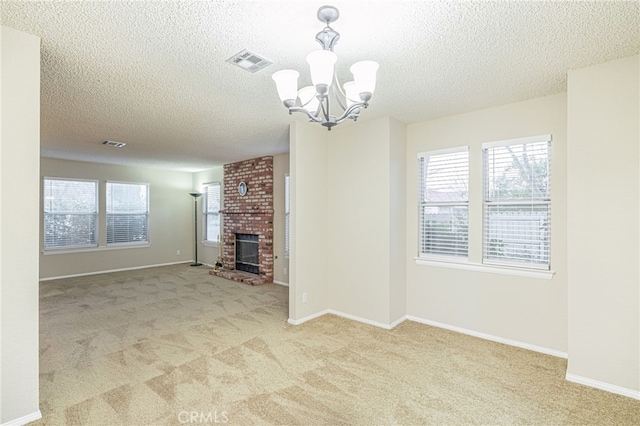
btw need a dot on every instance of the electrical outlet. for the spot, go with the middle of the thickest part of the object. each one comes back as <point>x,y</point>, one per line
<point>177,252</point>
<point>304,297</point>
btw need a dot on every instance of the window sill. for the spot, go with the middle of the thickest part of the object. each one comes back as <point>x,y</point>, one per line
<point>210,243</point>
<point>94,249</point>
<point>491,269</point>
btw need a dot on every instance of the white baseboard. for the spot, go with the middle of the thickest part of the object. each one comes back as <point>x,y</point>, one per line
<point>366,321</point>
<point>397,322</point>
<point>603,386</point>
<point>307,318</point>
<point>490,337</point>
<point>84,274</point>
<point>281,283</point>
<point>347,316</point>
<point>24,419</point>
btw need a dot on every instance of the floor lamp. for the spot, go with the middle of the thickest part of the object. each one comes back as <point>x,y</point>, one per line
<point>195,196</point>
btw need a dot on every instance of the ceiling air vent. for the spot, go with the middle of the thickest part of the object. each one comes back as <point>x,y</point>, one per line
<point>114,144</point>
<point>249,61</point>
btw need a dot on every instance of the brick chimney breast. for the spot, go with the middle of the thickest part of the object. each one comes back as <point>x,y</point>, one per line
<point>249,214</point>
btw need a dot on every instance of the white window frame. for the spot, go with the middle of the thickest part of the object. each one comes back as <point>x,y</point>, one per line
<point>422,204</point>
<point>206,214</point>
<point>531,203</point>
<point>145,212</point>
<point>93,213</point>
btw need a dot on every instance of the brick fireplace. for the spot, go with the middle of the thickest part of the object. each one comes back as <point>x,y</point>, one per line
<point>248,215</point>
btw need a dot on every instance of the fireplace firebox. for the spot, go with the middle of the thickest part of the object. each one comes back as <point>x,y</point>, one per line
<point>247,257</point>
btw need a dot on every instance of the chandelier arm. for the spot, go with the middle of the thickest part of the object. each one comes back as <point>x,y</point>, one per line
<point>343,93</point>
<point>349,113</point>
<point>300,109</point>
<point>337,91</point>
<point>325,111</point>
<point>307,103</point>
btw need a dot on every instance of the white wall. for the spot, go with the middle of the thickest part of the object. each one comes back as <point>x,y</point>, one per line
<point>19,201</point>
<point>525,310</point>
<point>603,225</point>
<point>348,211</point>
<point>309,241</point>
<point>358,220</point>
<point>207,253</point>
<point>397,217</point>
<point>363,223</point>
<point>280,261</point>
<point>170,220</point>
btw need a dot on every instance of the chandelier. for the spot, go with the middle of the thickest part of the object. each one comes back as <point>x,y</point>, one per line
<point>314,101</point>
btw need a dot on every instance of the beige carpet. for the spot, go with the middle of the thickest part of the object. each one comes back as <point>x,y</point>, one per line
<point>175,345</point>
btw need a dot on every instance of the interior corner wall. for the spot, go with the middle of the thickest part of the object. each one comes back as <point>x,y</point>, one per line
<point>280,261</point>
<point>603,226</point>
<point>523,310</point>
<point>360,219</point>
<point>397,218</point>
<point>308,221</point>
<point>19,201</point>
<point>207,253</point>
<point>171,220</point>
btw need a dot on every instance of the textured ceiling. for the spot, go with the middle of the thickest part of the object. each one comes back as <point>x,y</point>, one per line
<point>154,74</point>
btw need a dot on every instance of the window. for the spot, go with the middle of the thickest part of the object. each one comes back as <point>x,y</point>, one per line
<point>444,203</point>
<point>211,211</point>
<point>127,213</point>
<point>287,213</point>
<point>70,213</point>
<point>517,202</point>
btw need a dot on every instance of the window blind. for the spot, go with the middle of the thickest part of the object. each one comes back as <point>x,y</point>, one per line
<point>127,213</point>
<point>70,213</point>
<point>444,203</point>
<point>212,212</point>
<point>517,202</point>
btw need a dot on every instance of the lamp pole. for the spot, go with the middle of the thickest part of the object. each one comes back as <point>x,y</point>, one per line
<point>195,196</point>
